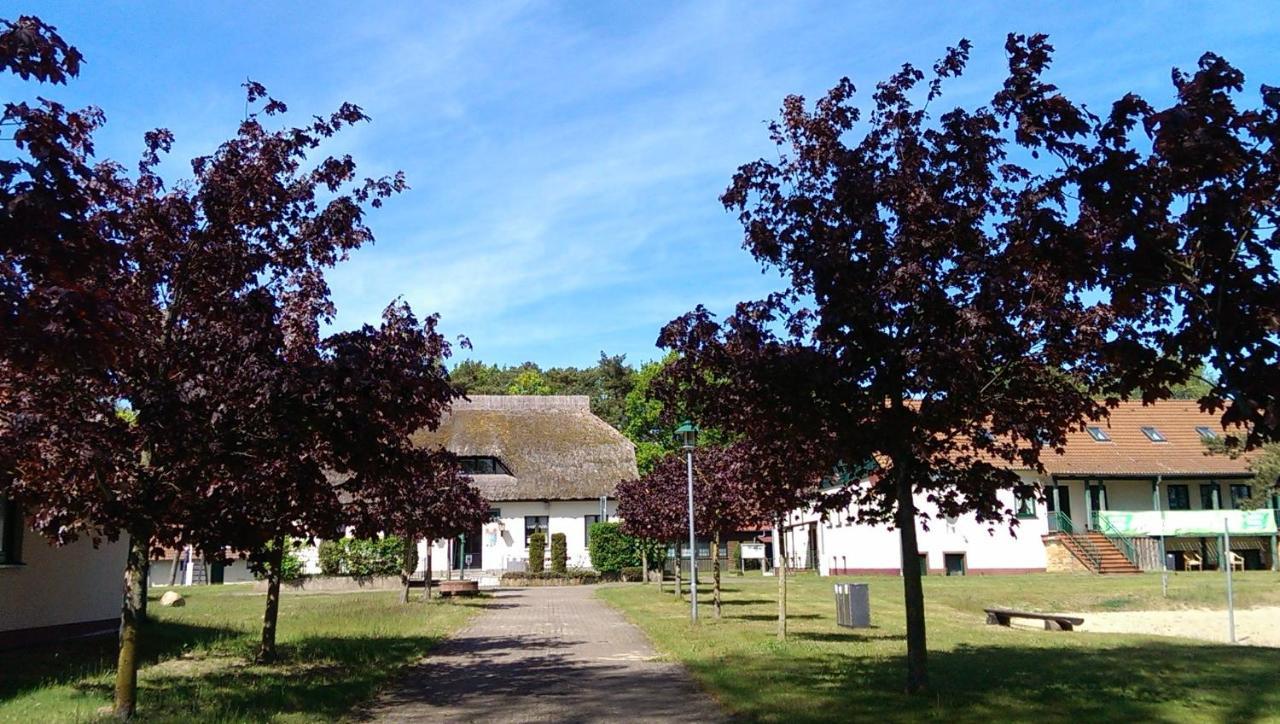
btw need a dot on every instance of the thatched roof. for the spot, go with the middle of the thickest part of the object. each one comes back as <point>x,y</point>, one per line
<point>555,448</point>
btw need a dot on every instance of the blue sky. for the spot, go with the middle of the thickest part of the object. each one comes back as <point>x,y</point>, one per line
<point>565,159</point>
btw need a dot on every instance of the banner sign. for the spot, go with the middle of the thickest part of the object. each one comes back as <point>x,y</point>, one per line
<point>752,550</point>
<point>1188,522</point>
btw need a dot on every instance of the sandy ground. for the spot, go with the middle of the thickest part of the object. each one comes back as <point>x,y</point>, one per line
<point>1254,626</point>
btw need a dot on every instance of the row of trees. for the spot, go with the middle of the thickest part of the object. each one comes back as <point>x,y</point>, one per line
<point>196,308</point>
<point>963,286</point>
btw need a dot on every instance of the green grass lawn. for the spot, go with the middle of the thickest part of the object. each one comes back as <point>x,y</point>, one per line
<point>337,650</point>
<point>978,672</point>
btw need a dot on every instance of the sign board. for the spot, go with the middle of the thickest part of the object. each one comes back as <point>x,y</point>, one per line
<point>752,551</point>
<point>1189,522</point>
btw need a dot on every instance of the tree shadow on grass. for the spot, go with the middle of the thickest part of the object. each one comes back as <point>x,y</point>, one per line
<point>64,662</point>
<point>845,636</point>
<point>746,601</point>
<point>774,616</point>
<point>1150,682</point>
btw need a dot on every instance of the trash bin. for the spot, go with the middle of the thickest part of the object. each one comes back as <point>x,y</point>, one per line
<point>1170,562</point>
<point>853,605</point>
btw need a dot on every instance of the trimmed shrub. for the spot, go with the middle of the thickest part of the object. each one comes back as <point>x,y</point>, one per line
<point>611,549</point>
<point>559,553</point>
<point>571,576</point>
<point>735,556</point>
<point>632,574</point>
<point>330,554</point>
<point>537,549</point>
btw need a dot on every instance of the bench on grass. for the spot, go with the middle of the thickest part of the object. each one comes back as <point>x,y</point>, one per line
<point>1052,621</point>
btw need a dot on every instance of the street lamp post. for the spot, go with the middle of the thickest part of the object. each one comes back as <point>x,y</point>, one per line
<point>688,436</point>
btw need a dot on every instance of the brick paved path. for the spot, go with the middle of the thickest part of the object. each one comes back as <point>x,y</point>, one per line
<point>546,654</point>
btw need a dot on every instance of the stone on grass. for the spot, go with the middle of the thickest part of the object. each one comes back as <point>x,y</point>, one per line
<point>172,598</point>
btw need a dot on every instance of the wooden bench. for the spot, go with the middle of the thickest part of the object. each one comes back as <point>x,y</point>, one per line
<point>1052,621</point>
<point>457,588</point>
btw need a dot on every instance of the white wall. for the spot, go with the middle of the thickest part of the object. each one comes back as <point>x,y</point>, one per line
<point>76,583</point>
<point>876,548</point>
<point>235,571</point>
<point>504,540</point>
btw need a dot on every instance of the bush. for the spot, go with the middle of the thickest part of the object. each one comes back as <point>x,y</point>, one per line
<point>573,575</point>
<point>537,549</point>
<point>330,554</point>
<point>290,563</point>
<point>363,557</point>
<point>559,553</point>
<point>611,549</point>
<point>632,574</point>
<point>735,556</point>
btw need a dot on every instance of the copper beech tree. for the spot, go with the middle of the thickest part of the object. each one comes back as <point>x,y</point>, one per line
<point>196,305</point>
<point>929,321</point>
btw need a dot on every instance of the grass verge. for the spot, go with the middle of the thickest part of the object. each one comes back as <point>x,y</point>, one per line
<point>978,672</point>
<point>337,650</point>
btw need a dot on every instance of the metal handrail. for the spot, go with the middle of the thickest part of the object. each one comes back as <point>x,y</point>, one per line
<point>1082,543</point>
<point>1124,544</point>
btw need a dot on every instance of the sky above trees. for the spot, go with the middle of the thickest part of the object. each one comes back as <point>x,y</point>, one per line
<point>565,162</point>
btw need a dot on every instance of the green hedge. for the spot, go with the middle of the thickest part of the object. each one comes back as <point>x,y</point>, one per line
<point>611,549</point>
<point>360,557</point>
<point>537,550</point>
<point>559,553</point>
<point>290,563</point>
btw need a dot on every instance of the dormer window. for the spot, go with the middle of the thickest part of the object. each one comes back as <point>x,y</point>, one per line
<point>1154,435</point>
<point>1206,433</point>
<point>1098,434</point>
<point>482,465</point>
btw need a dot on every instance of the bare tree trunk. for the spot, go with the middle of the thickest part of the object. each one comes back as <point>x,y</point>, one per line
<point>644,566</point>
<point>126,693</point>
<point>676,563</point>
<point>140,593</point>
<point>406,571</point>
<point>267,649</point>
<point>173,570</point>
<point>426,583</point>
<point>715,571</point>
<point>781,573</point>
<point>913,588</point>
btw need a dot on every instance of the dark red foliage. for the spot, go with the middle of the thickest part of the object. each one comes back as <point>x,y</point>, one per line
<point>931,322</point>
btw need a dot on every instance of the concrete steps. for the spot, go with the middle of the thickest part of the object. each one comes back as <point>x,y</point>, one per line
<point>1098,553</point>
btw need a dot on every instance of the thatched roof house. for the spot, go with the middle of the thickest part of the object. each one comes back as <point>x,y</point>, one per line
<point>552,445</point>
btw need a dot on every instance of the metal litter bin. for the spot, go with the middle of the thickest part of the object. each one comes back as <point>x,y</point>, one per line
<point>853,605</point>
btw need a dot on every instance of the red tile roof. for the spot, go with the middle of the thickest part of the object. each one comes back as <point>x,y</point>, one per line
<point>1130,452</point>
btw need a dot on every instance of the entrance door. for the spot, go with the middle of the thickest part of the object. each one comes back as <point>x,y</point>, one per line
<point>1097,502</point>
<point>811,557</point>
<point>954,563</point>
<point>467,549</point>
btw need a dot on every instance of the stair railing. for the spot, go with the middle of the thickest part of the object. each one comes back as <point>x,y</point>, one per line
<point>1081,543</point>
<point>1123,544</point>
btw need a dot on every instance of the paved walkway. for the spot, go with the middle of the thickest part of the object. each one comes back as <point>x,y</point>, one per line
<point>546,654</point>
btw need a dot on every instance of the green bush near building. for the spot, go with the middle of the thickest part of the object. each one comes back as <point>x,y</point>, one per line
<point>559,553</point>
<point>537,550</point>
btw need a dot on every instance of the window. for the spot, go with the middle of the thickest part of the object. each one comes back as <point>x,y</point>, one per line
<point>954,564</point>
<point>984,437</point>
<point>495,514</point>
<point>1239,494</point>
<point>535,524</point>
<point>1098,434</point>
<point>1025,501</point>
<point>1153,434</point>
<point>1179,497</point>
<point>10,533</point>
<point>1210,496</point>
<point>483,465</point>
<point>587,522</point>
<point>1206,433</point>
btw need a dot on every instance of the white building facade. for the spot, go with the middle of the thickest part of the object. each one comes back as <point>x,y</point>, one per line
<point>49,592</point>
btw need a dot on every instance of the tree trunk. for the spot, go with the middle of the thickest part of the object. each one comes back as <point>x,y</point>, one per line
<point>267,649</point>
<point>781,572</point>
<point>913,589</point>
<point>426,583</point>
<point>715,571</point>
<point>644,566</point>
<point>173,570</point>
<point>405,571</point>
<point>140,593</point>
<point>126,694</point>
<point>679,591</point>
